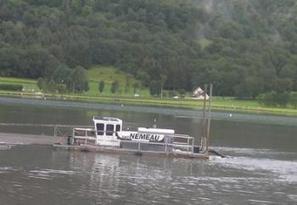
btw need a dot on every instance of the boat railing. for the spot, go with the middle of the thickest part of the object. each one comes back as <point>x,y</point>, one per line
<point>84,136</point>
<point>65,130</point>
<point>171,143</point>
<point>183,142</point>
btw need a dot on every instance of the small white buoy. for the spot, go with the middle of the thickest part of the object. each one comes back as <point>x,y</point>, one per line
<point>122,105</point>
<point>230,115</point>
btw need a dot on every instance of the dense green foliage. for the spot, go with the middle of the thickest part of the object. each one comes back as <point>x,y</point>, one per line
<point>64,79</point>
<point>244,47</point>
<point>11,87</point>
<point>274,99</point>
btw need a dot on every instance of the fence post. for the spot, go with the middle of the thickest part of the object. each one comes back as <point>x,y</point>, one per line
<point>166,143</point>
<point>55,131</point>
<point>193,144</point>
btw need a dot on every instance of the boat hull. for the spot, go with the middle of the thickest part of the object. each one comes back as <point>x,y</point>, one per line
<point>117,150</point>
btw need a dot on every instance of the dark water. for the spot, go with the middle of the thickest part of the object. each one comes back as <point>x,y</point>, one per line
<point>261,167</point>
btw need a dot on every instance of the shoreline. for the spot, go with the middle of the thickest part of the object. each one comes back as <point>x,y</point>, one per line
<point>234,106</point>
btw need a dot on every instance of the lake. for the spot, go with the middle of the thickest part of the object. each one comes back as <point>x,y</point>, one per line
<point>261,167</point>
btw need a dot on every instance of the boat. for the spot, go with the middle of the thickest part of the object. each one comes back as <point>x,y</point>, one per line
<point>107,135</point>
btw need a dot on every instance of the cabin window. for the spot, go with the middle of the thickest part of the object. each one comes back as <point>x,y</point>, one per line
<point>118,128</point>
<point>100,129</point>
<point>109,130</point>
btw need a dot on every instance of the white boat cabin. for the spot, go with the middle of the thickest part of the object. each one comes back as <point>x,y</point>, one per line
<point>106,129</point>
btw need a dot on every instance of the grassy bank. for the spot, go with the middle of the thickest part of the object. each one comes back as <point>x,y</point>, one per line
<point>31,90</point>
<point>219,104</point>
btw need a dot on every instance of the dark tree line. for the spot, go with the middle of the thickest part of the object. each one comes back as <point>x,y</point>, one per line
<point>244,47</point>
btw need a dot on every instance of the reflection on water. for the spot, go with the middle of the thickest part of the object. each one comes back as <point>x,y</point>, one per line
<point>93,178</point>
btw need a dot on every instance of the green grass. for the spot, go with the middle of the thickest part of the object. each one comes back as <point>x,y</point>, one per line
<point>109,74</point>
<point>29,85</point>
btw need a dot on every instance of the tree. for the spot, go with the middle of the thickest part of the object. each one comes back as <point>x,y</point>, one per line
<point>162,82</point>
<point>115,87</point>
<point>79,79</point>
<point>128,82</point>
<point>155,88</point>
<point>101,86</point>
<point>41,83</point>
<point>135,87</point>
<point>250,49</point>
<point>62,75</point>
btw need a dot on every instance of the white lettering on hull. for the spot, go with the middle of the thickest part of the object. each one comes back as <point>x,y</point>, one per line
<point>139,136</point>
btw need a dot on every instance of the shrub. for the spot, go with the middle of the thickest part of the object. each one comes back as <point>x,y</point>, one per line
<point>274,99</point>
<point>182,93</point>
<point>293,99</point>
<point>11,87</point>
<point>172,93</point>
<point>282,99</point>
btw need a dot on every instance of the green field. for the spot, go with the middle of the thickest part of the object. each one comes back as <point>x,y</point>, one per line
<point>29,85</point>
<point>108,75</point>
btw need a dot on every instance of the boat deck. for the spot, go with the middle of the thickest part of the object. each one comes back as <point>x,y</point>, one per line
<point>118,150</point>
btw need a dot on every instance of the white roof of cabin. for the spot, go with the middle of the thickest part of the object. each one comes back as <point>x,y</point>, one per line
<point>155,130</point>
<point>112,120</point>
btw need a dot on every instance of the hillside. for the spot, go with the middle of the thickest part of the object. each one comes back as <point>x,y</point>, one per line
<point>245,47</point>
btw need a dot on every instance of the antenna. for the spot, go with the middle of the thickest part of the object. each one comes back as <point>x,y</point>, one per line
<point>155,123</point>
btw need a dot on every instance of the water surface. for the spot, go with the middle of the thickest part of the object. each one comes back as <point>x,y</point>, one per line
<point>261,167</point>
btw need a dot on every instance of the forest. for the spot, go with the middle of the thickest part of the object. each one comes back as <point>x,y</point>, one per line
<point>244,47</point>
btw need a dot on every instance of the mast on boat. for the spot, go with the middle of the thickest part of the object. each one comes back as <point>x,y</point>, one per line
<point>206,119</point>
